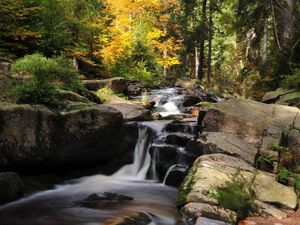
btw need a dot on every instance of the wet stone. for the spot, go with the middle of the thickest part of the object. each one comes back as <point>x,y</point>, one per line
<point>94,200</point>
<point>177,126</point>
<point>175,177</point>
<point>165,153</point>
<point>177,140</point>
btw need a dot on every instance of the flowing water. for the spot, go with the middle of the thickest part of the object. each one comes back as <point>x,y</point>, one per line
<point>154,200</point>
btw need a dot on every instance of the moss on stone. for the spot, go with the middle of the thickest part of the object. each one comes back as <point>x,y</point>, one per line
<point>185,188</point>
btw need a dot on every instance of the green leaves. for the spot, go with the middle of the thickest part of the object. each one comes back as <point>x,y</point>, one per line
<point>44,77</point>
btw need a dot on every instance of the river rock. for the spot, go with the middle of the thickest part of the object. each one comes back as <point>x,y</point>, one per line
<point>232,144</point>
<point>71,96</point>
<point>246,117</point>
<point>11,187</point>
<point>117,84</point>
<point>132,112</point>
<point>176,139</point>
<point>175,176</point>
<point>214,212</point>
<point>163,153</point>
<point>94,200</point>
<point>203,95</point>
<point>210,172</point>
<point>134,88</point>
<point>190,100</point>
<point>35,136</point>
<point>182,126</point>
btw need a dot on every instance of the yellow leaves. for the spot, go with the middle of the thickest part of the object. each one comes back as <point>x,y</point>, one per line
<point>135,20</point>
<point>114,48</point>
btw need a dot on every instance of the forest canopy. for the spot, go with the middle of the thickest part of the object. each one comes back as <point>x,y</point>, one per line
<point>229,45</point>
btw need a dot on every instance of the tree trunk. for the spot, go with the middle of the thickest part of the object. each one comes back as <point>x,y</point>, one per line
<point>287,23</point>
<point>210,37</point>
<point>265,48</point>
<point>196,63</point>
<point>275,25</point>
<point>202,40</point>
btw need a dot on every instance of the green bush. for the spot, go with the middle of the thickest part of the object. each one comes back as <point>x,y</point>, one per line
<point>292,81</point>
<point>278,148</point>
<point>283,175</point>
<point>105,94</point>
<point>44,77</point>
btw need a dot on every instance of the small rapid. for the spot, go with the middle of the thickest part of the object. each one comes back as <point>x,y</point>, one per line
<point>139,180</point>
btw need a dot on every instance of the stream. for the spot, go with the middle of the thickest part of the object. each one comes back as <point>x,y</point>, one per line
<point>153,200</point>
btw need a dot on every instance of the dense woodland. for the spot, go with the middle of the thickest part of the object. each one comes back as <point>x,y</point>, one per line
<point>234,46</point>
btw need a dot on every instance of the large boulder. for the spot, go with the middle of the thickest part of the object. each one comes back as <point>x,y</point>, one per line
<point>11,187</point>
<point>117,84</point>
<point>36,136</point>
<point>202,95</point>
<point>246,117</point>
<point>210,172</point>
<point>231,144</point>
<point>132,112</point>
<point>190,100</point>
<point>134,88</point>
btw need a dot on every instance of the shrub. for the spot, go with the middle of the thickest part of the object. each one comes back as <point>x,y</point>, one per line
<point>265,157</point>
<point>292,81</point>
<point>278,148</point>
<point>105,94</point>
<point>283,175</point>
<point>45,76</point>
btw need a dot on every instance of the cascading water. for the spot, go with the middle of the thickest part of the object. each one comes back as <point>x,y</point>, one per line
<point>142,160</point>
<point>60,206</point>
<point>155,200</point>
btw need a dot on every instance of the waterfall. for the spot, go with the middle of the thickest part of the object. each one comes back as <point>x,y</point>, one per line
<point>142,159</point>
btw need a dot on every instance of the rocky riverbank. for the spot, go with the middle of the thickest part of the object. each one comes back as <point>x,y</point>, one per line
<point>237,148</point>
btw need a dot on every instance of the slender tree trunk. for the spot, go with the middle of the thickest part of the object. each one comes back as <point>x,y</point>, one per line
<point>165,51</point>
<point>287,23</point>
<point>202,40</point>
<point>275,25</point>
<point>210,37</point>
<point>196,63</point>
<point>185,37</point>
<point>265,47</point>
